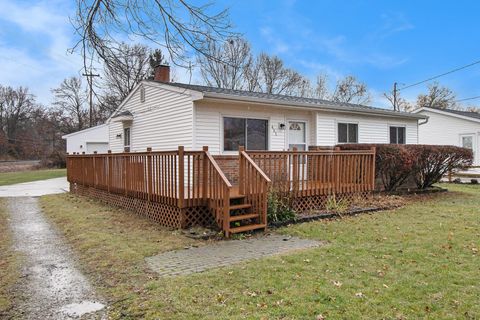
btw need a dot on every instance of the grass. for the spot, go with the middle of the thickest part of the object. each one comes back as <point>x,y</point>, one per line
<point>8,178</point>
<point>9,263</point>
<point>420,261</point>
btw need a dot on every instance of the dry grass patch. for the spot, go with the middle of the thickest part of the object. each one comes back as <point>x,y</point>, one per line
<point>112,245</point>
<point>9,263</point>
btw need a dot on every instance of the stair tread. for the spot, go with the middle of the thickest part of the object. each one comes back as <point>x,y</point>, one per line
<point>247,228</point>
<point>237,196</point>
<point>240,206</point>
<point>243,217</point>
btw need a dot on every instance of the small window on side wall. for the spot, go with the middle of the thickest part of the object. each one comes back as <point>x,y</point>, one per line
<point>397,135</point>
<point>142,94</point>
<point>126,137</point>
<point>347,133</point>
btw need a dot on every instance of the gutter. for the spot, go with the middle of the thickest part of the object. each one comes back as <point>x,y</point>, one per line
<point>303,105</point>
<point>425,122</point>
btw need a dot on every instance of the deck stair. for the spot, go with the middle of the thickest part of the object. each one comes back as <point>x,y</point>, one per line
<point>241,218</point>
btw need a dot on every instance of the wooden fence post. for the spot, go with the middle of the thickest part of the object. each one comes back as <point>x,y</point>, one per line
<point>181,185</point>
<point>205,173</point>
<point>109,169</point>
<point>374,156</point>
<point>149,174</point>
<point>125,170</point>
<point>94,169</point>
<point>241,172</point>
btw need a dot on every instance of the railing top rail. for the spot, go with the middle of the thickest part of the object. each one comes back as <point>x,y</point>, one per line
<point>118,154</point>
<point>247,157</point>
<point>319,152</point>
<point>217,168</point>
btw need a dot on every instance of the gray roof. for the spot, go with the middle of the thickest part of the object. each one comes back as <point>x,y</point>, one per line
<point>469,114</point>
<point>214,92</point>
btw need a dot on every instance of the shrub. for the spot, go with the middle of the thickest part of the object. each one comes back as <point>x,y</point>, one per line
<point>424,164</point>
<point>336,205</point>
<point>433,162</point>
<point>56,159</point>
<point>278,209</point>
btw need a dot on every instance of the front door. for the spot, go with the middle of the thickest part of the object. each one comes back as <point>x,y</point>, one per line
<point>297,135</point>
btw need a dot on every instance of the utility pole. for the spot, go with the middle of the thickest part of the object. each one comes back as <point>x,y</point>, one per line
<point>90,84</point>
<point>395,96</point>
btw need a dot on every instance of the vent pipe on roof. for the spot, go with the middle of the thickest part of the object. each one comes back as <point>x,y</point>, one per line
<point>162,73</point>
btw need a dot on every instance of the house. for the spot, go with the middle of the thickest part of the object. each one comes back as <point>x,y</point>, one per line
<point>88,140</point>
<point>451,127</point>
<point>164,115</point>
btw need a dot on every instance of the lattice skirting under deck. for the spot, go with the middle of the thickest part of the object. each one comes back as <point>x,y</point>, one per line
<point>310,203</point>
<point>166,215</point>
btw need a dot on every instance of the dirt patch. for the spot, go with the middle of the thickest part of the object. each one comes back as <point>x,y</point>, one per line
<point>51,286</point>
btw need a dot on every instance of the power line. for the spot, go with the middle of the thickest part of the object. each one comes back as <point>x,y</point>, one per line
<point>440,75</point>
<point>466,99</point>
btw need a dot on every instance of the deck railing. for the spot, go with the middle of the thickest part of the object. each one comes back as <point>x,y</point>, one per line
<point>313,173</point>
<point>254,184</point>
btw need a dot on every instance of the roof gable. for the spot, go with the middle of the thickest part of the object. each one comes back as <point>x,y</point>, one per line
<point>459,114</point>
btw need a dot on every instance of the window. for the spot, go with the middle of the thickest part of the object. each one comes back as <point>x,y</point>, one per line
<point>467,142</point>
<point>126,137</point>
<point>297,137</point>
<point>142,94</point>
<point>397,135</point>
<point>347,133</point>
<point>251,133</point>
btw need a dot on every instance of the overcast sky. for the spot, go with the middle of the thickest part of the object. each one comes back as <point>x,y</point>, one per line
<point>378,41</point>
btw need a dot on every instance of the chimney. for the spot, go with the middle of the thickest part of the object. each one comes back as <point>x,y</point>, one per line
<point>162,73</point>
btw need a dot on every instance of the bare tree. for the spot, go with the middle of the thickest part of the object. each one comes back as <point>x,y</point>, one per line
<point>321,88</point>
<point>71,98</point>
<point>275,78</point>
<point>350,90</point>
<point>437,97</point>
<point>180,27</point>
<point>401,103</point>
<point>226,64</point>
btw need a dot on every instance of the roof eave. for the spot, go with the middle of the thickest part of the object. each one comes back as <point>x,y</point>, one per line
<point>386,113</point>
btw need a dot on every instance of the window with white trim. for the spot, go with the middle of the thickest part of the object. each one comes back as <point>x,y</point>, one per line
<point>347,133</point>
<point>250,133</point>
<point>397,135</point>
<point>126,137</point>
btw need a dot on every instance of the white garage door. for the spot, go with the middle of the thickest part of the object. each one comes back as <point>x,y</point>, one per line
<point>100,147</point>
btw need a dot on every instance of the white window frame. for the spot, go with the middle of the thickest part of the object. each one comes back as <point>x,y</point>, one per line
<point>397,126</point>
<point>338,122</point>
<point>129,138</point>
<point>474,140</point>
<point>288,132</point>
<point>222,138</point>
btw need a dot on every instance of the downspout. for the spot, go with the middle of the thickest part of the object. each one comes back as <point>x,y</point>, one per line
<point>425,122</point>
<point>419,124</point>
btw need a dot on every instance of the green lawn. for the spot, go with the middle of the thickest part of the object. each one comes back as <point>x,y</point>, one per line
<point>420,261</point>
<point>7,178</point>
<point>9,264</point>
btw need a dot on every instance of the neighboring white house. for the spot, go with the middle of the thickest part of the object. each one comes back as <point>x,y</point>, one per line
<point>451,127</point>
<point>165,115</point>
<point>88,140</point>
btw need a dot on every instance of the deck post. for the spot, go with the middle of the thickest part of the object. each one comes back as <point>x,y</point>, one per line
<point>83,169</point>
<point>296,169</point>
<point>205,174</point>
<point>110,171</point>
<point>241,172</point>
<point>125,170</point>
<point>94,170</point>
<point>149,174</point>
<point>374,151</point>
<point>181,185</point>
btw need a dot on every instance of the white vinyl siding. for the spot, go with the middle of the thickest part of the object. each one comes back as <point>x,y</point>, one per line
<point>163,122</point>
<point>371,129</point>
<point>209,122</point>
<point>448,130</point>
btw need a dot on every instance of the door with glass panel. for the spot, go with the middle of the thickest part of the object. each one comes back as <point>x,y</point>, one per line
<point>297,138</point>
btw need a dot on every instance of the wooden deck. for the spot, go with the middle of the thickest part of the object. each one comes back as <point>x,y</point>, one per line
<point>188,180</point>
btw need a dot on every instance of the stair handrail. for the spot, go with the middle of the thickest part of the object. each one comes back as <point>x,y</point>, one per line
<point>255,190</point>
<point>217,195</point>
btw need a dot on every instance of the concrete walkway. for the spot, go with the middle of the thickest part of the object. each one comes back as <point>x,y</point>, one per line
<point>35,188</point>
<point>224,253</point>
<point>51,286</point>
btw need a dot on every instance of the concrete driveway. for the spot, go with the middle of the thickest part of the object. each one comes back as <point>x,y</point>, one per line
<point>35,188</point>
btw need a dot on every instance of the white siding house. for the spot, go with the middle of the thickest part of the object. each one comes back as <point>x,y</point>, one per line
<point>88,140</point>
<point>164,115</point>
<point>451,127</point>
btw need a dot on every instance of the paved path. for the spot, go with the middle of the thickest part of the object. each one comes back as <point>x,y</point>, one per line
<point>51,286</point>
<point>182,262</point>
<point>35,188</point>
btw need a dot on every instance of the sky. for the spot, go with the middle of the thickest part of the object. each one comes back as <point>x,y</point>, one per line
<point>379,42</point>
